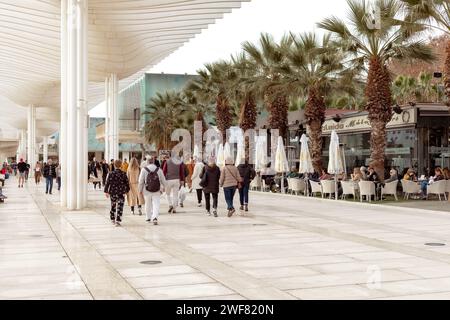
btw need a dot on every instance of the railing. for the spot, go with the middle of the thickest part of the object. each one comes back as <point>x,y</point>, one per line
<point>124,124</point>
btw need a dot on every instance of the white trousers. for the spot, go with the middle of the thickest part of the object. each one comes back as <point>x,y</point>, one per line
<point>172,187</point>
<point>152,202</point>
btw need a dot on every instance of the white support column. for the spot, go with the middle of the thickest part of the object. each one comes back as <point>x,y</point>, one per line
<point>107,121</point>
<point>75,83</point>
<point>126,155</point>
<point>82,123</point>
<point>31,127</point>
<point>45,149</point>
<point>113,115</point>
<point>63,129</point>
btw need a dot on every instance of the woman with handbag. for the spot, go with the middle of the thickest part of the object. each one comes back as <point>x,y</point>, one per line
<point>198,168</point>
<point>230,180</point>
<point>209,181</point>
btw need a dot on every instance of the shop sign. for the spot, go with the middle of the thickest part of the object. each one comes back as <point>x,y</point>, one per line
<point>358,123</point>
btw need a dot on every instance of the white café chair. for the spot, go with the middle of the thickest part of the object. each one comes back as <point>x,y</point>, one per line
<point>289,186</point>
<point>328,187</point>
<point>409,188</point>
<point>367,188</point>
<point>438,187</point>
<point>256,183</point>
<point>297,185</point>
<point>448,186</point>
<point>315,187</point>
<point>265,187</point>
<point>390,188</point>
<point>348,187</point>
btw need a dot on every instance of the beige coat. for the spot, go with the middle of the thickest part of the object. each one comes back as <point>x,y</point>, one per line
<point>134,198</point>
<point>229,176</point>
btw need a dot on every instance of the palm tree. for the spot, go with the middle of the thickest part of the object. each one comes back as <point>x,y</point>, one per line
<point>213,85</point>
<point>375,46</point>
<point>165,111</point>
<point>432,14</point>
<point>313,69</point>
<point>267,59</point>
<point>425,87</point>
<point>245,95</point>
<point>197,110</point>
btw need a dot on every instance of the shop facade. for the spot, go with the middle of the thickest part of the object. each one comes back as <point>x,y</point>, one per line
<point>417,137</point>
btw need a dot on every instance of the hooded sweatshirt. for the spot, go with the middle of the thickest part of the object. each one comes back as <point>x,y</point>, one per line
<point>143,178</point>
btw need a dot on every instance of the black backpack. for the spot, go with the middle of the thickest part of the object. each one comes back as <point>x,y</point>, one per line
<point>152,183</point>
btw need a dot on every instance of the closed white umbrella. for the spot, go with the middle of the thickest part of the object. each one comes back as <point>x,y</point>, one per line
<point>305,165</point>
<point>220,156</point>
<point>260,155</point>
<point>281,163</point>
<point>240,156</point>
<point>227,151</point>
<point>335,163</point>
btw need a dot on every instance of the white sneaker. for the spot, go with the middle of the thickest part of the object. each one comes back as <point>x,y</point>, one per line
<point>199,205</point>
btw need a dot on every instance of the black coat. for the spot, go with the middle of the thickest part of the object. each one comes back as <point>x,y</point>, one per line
<point>247,173</point>
<point>213,176</point>
<point>117,183</point>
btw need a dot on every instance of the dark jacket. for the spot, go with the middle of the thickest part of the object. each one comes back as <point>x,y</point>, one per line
<point>117,183</point>
<point>50,170</point>
<point>105,169</point>
<point>247,173</point>
<point>22,166</point>
<point>212,178</point>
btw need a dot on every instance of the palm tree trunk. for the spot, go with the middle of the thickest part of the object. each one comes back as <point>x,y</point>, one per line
<point>315,114</point>
<point>223,116</point>
<point>379,106</point>
<point>447,72</point>
<point>278,118</point>
<point>247,120</point>
<point>315,137</point>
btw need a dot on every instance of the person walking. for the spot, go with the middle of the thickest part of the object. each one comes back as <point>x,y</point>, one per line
<point>96,176</point>
<point>116,187</point>
<point>151,183</point>
<point>58,176</point>
<point>173,170</point>
<point>111,165</point>
<point>49,175</point>
<point>124,165</point>
<point>134,197</point>
<point>22,168</point>
<point>37,172</point>
<point>230,180</point>
<point>247,174</point>
<point>210,177</point>
<point>105,171</point>
<point>198,169</point>
<point>190,166</point>
<point>27,171</point>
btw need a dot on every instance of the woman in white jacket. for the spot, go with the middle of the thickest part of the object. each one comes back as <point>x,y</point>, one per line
<point>196,180</point>
<point>152,198</point>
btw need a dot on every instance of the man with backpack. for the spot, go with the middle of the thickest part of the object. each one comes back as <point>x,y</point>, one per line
<point>117,185</point>
<point>151,179</point>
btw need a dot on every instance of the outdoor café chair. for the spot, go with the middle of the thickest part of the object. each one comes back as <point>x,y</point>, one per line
<point>256,183</point>
<point>367,188</point>
<point>438,187</point>
<point>315,187</point>
<point>348,187</point>
<point>328,187</point>
<point>409,188</point>
<point>390,188</point>
<point>297,185</point>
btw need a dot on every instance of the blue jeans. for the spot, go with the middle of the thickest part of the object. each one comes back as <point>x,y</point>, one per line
<point>229,195</point>
<point>48,184</point>
<point>243,194</point>
<point>423,186</point>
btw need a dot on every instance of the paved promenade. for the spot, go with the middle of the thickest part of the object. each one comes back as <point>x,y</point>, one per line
<point>286,247</point>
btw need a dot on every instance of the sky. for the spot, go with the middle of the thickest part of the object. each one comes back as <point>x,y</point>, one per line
<point>225,37</point>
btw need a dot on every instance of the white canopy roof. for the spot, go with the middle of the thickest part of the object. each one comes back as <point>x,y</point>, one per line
<point>126,37</point>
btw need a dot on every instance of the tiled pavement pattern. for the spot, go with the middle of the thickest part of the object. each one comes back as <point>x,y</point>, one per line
<point>287,247</point>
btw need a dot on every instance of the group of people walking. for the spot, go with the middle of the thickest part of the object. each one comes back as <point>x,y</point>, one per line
<point>144,184</point>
